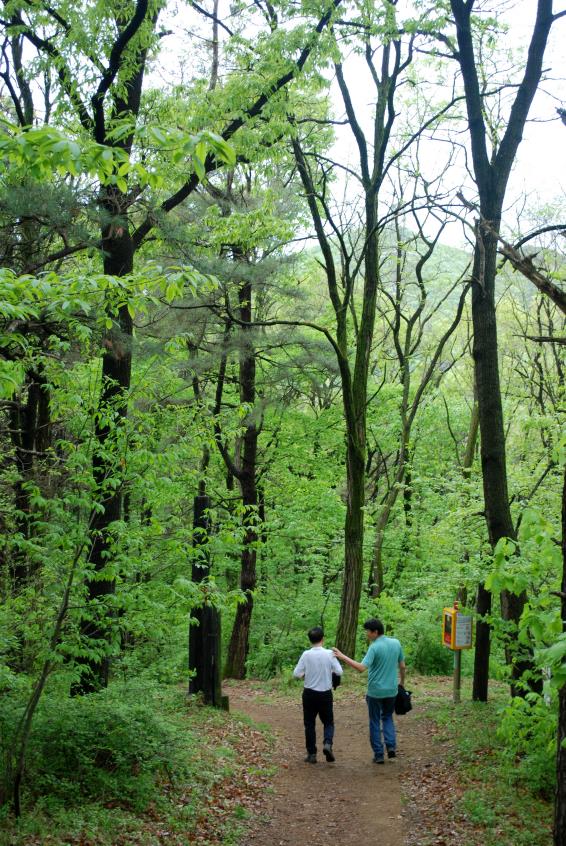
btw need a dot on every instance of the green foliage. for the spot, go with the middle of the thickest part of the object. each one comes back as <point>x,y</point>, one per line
<point>477,809</point>
<point>112,747</point>
<point>497,792</point>
<point>427,654</point>
<point>528,733</point>
<point>41,152</point>
<point>128,791</point>
<point>74,304</point>
<point>419,630</point>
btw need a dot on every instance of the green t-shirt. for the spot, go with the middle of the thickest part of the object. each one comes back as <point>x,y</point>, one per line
<point>382,660</point>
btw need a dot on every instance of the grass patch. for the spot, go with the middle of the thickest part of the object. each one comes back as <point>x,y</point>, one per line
<point>488,799</point>
<point>189,789</point>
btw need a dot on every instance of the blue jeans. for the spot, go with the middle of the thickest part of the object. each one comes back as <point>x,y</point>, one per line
<point>381,719</point>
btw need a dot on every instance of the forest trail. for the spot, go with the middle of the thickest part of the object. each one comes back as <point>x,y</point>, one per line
<point>350,802</point>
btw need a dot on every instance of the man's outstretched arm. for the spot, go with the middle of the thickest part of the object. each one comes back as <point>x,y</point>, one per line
<point>361,668</point>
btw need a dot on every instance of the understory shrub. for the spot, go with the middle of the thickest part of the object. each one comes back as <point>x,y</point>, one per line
<point>528,732</point>
<point>426,654</point>
<point>419,630</point>
<point>279,628</point>
<point>110,746</point>
<point>271,656</point>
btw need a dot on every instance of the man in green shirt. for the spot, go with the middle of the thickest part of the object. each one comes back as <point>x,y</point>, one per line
<point>383,660</point>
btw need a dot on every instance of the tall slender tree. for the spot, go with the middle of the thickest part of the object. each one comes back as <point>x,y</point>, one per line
<point>492,169</point>
<point>350,251</point>
<point>408,315</point>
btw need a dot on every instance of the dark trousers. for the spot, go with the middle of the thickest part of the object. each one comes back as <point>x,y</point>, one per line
<point>317,703</point>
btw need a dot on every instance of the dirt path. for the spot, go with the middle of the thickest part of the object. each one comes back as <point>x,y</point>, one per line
<point>350,802</point>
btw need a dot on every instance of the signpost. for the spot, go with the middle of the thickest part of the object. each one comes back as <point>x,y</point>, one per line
<point>456,635</point>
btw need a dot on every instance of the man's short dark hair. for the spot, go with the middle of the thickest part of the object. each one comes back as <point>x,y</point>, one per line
<point>315,634</point>
<point>374,625</point>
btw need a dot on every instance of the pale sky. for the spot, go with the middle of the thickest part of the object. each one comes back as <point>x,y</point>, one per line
<point>539,176</point>
<point>541,165</point>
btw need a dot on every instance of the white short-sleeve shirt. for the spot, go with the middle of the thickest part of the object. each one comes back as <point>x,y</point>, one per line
<point>317,665</point>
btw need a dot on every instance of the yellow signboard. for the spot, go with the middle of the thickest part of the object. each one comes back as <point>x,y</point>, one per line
<point>456,629</point>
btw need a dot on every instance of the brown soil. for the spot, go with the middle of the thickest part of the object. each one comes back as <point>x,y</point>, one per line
<point>351,802</point>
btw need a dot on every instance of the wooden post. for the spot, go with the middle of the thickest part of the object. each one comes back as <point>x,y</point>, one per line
<point>457,675</point>
<point>457,664</point>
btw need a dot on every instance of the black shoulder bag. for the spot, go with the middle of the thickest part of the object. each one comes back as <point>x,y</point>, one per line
<point>403,702</point>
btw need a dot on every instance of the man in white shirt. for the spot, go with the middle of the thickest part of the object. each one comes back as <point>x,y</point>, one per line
<point>316,665</point>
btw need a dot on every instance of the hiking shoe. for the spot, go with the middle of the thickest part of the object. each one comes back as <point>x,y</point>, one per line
<point>391,753</point>
<point>377,760</point>
<point>328,753</point>
<point>310,759</point>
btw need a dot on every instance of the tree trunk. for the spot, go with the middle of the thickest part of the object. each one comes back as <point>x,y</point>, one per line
<point>204,636</point>
<point>118,250</point>
<point>376,576</point>
<point>492,441</point>
<point>482,650</point>
<point>239,640</point>
<point>355,408</point>
<point>376,581</point>
<point>238,647</point>
<point>30,435</point>
<point>560,796</point>
<point>471,440</point>
<point>113,408</point>
<point>408,491</point>
<point>491,172</point>
<point>354,553</point>
<point>490,408</point>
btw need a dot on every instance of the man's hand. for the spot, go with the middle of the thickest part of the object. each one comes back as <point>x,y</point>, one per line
<point>361,668</point>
